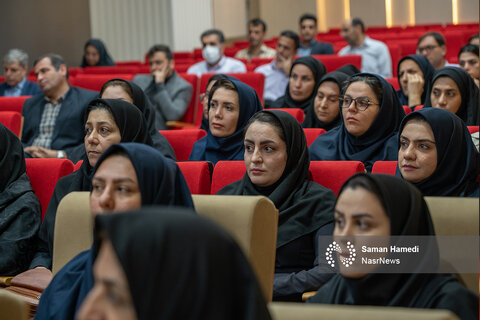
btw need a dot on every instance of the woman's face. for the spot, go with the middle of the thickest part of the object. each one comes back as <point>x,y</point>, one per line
<point>110,297</point>
<point>469,62</point>
<point>407,69</point>
<point>223,113</point>
<point>265,154</point>
<point>101,132</point>
<point>326,101</point>
<point>116,92</point>
<point>417,156</point>
<point>446,95</point>
<point>358,122</point>
<point>115,186</point>
<point>92,57</point>
<point>301,82</point>
<point>359,213</point>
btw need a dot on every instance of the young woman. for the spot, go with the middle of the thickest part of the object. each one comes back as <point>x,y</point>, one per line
<point>371,115</point>
<point>204,97</point>
<point>469,61</point>
<point>383,205</point>
<point>414,73</point>
<point>231,104</point>
<point>96,54</point>
<point>277,161</point>
<point>127,176</point>
<point>437,155</point>
<point>324,112</point>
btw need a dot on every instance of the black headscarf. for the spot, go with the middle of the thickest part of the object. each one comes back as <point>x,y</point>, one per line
<point>311,119</point>
<point>159,178</point>
<point>378,143</point>
<point>105,59</point>
<point>181,266</point>
<point>458,161</point>
<point>409,216</point>
<point>304,205</point>
<point>349,69</point>
<point>318,69</point>
<point>468,110</point>
<point>427,70</point>
<point>214,149</point>
<point>12,159</point>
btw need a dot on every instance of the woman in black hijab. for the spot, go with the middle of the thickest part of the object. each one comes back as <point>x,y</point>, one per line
<point>368,135</point>
<point>197,270</point>
<point>277,161</point>
<point>20,211</point>
<point>305,75</point>
<point>96,54</point>
<point>324,111</point>
<point>414,73</point>
<point>437,155</point>
<point>120,118</point>
<point>392,206</point>
<point>454,90</point>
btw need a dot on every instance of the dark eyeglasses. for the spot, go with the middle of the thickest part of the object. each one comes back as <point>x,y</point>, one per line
<point>426,49</point>
<point>361,103</point>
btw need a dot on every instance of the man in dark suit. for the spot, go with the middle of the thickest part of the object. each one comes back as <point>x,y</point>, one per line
<point>308,31</point>
<point>15,68</point>
<point>53,121</point>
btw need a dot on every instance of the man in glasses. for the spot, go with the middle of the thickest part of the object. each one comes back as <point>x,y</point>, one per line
<point>433,47</point>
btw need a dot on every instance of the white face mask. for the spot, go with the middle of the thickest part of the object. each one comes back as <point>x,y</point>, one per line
<point>211,54</point>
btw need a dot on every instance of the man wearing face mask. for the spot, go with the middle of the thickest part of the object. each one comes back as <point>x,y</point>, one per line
<point>215,61</point>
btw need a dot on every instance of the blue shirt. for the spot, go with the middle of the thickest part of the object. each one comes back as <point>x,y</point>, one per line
<point>276,81</point>
<point>15,91</point>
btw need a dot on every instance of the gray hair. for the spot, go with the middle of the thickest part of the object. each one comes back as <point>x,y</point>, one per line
<point>14,55</point>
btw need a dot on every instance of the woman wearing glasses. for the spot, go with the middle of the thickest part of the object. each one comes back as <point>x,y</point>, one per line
<point>371,115</point>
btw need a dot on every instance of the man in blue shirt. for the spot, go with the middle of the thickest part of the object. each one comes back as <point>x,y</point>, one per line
<point>308,31</point>
<point>15,68</point>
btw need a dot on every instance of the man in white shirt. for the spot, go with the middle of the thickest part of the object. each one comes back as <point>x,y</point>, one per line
<point>257,49</point>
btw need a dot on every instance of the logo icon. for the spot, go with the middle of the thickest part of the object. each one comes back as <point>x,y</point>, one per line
<point>335,247</point>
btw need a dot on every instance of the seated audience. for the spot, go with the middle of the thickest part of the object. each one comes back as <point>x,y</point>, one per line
<point>391,206</point>
<point>127,176</point>
<point>454,90</point>
<point>309,44</point>
<point>432,45</point>
<point>204,97</point>
<point>257,49</point>
<point>303,83</point>
<point>468,61</point>
<point>375,54</point>
<point>437,155</point>
<point>277,161</point>
<point>215,61</point>
<point>96,54</point>
<point>276,72</point>
<point>15,69</point>
<point>169,93</point>
<point>324,111</point>
<point>20,209</point>
<point>53,124</point>
<point>231,103</point>
<point>414,74</point>
<point>371,115</point>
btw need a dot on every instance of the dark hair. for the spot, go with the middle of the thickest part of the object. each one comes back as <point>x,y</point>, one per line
<point>222,83</point>
<point>439,39</point>
<point>160,48</point>
<point>216,77</point>
<point>307,16</point>
<point>472,48</point>
<point>55,59</point>
<point>372,82</point>
<point>358,22</point>
<point>258,22</point>
<point>363,181</point>
<point>217,32</point>
<point>266,117</point>
<point>475,36</point>
<point>117,83</point>
<point>292,35</point>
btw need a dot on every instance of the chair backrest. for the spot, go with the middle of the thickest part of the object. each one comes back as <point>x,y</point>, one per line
<point>96,81</point>
<point>77,165</point>
<point>312,133</point>
<point>189,115</point>
<point>198,175</point>
<point>332,61</point>
<point>387,167</point>
<point>111,70</point>
<point>44,174</point>
<point>13,103</point>
<point>473,129</point>
<point>407,109</point>
<point>12,306</point>
<point>394,83</point>
<point>226,172</point>
<point>13,121</point>
<point>295,112</point>
<point>182,141</point>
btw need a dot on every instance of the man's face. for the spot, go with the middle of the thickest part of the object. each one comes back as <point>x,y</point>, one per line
<point>255,35</point>
<point>159,62</point>
<point>349,32</point>
<point>286,47</point>
<point>429,48</point>
<point>49,79</point>
<point>212,40</point>
<point>308,29</point>
<point>14,73</point>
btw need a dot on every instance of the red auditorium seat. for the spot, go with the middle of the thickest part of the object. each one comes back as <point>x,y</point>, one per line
<point>44,174</point>
<point>95,81</point>
<point>394,82</point>
<point>188,118</point>
<point>180,68</point>
<point>12,103</point>
<point>198,176</point>
<point>296,112</point>
<point>418,107</point>
<point>256,62</point>
<point>407,109</point>
<point>13,121</point>
<point>473,129</point>
<point>77,165</point>
<point>133,63</point>
<point>182,141</point>
<point>312,133</point>
<point>395,55</point>
<point>182,55</point>
<point>231,51</point>
<point>2,79</point>
<point>111,70</point>
<point>226,172</point>
<point>332,61</point>
<point>387,167</point>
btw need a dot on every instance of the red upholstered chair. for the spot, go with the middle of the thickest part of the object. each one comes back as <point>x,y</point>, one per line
<point>395,55</point>
<point>226,172</point>
<point>13,103</point>
<point>96,81</point>
<point>182,141</point>
<point>296,112</point>
<point>2,79</point>
<point>77,165</point>
<point>187,120</point>
<point>256,62</point>
<point>111,70</point>
<point>332,61</point>
<point>312,133</point>
<point>473,129</point>
<point>407,109</point>
<point>387,167</point>
<point>198,175</point>
<point>182,55</point>
<point>44,174</point>
<point>394,83</point>
<point>13,121</point>
<point>418,107</point>
<point>332,174</point>
<point>131,63</point>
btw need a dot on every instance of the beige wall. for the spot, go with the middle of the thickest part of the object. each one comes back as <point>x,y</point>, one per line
<point>433,11</point>
<point>468,10</point>
<point>400,12</point>
<point>230,16</point>
<point>372,12</point>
